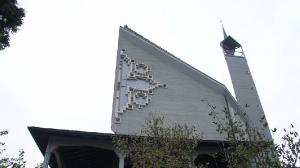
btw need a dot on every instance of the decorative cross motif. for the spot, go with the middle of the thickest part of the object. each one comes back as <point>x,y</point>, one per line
<point>135,84</point>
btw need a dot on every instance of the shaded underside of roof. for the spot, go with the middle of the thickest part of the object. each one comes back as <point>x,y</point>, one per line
<point>76,156</point>
<point>42,135</point>
<point>85,157</point>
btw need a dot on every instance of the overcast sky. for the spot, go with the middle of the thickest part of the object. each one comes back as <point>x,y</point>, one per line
<point>59,70</point>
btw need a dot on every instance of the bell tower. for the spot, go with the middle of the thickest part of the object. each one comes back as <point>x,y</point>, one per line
<point>243,84</point>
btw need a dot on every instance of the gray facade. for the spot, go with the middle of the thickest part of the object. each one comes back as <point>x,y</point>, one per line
<point>148,79</point>
<point>243,84</point>
<point>180,92</point>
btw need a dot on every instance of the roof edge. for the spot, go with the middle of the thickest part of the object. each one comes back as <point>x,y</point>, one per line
<point>219,84</point>
<point>172,55</point>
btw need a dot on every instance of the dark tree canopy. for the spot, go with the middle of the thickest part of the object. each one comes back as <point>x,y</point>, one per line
<point>11,17</point>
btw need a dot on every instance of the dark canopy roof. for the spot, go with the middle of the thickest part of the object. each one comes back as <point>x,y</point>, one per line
<point>42,135</point>
<point>83,156</point>
<point>75,156</point>
<point>230,43</point>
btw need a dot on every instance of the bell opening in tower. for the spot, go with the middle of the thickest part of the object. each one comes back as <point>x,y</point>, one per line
<point>231,47</point>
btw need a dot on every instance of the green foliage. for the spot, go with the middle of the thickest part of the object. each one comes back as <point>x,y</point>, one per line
<point>160,146</point>
<point>11,17</point>
<point>246,147</point>
<point>6,162</point>
<point>289,150</point>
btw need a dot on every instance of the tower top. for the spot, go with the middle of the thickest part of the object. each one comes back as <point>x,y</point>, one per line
<point>243,85</point>
<point>229,43</point>
<point>224,32</point>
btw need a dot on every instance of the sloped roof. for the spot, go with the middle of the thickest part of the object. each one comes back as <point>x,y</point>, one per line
<point>206,79</point>
<point>41,135</point>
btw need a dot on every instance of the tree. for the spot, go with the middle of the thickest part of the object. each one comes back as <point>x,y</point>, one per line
<point>11,17</point>
<point>246,147</point>
<point>289,150</point>
<point>6,162</point>
<point>160,145</point>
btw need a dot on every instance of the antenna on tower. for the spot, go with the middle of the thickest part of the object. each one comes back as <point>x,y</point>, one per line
<point>224,32</point>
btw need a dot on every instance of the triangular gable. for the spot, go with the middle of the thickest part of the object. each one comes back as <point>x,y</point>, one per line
<point>135,88</point>
<point>211,82</point>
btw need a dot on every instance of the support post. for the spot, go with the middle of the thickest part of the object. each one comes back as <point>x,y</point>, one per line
<point>47,157</point>
<point>121,162</point>
<point>121,159</point>
<point>50,148</point>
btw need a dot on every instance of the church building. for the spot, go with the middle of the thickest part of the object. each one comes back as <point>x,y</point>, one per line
<point>149,79</point>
